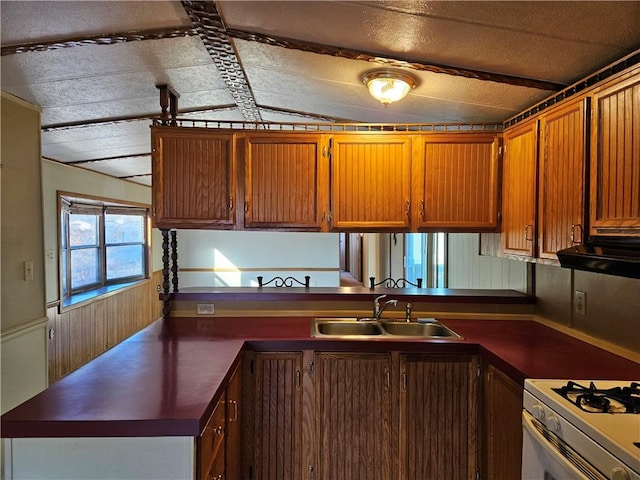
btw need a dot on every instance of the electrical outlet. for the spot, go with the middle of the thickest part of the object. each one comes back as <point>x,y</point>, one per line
<point>205,309</point>
<point>580,302</point>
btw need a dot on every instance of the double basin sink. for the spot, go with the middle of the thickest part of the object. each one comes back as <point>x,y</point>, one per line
<point>380,328</point>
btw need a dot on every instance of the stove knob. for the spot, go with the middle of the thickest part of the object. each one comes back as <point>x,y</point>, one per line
<point>553,424</point>
<point>538,412</point>
<point>619,473</point>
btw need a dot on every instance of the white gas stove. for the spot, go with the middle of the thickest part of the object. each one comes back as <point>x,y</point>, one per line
<point>582,429</point>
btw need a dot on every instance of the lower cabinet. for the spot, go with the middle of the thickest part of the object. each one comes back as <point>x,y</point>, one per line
<point>344,416</point>
<point>272,416</point>
<point>353,411</point>
<point>218,447</point>
<point>501,425</point>
<point>438,417</point>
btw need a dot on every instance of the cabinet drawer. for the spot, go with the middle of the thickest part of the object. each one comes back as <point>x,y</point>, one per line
<point>211,444</point>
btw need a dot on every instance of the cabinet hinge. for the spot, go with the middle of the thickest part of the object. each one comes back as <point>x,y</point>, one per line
<point>312,473</point>
<point>251,367</point>
<point>500,150</point>
<point>298,379</point>
<point>312,366</point>
<point>477,474</point>
<point>479,371</point>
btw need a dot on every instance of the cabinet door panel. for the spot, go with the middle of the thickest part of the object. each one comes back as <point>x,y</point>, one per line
<point>193,178</point>
<point>438,417</point>
<point>458,184</point>
<point>519,189</point>
<point>562,178</point>
<point>234,391</point>
<point>273,442</point>
<point>283,182</point>
<point>211,444</point>
<point>615,160</point>
<point>371,182</point>
<point>353,405</point>
<point>502,421</point>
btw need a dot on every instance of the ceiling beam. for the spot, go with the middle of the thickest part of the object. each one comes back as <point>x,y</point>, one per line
<point>393,62</point>
<point>209,25</point>
<point>103,39</point>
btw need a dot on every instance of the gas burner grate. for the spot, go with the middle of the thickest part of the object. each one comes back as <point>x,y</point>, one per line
<point>620,399</point>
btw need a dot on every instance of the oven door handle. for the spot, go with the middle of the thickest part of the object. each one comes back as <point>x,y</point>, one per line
<point>559,450</point>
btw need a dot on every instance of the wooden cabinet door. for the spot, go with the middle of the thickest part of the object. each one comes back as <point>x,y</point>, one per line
<point>234,392</point>
<point>211,445</point>
<point>272,416</point>
<point>285,182</point>
<point>193,178</point>
<point>353,410</point>
<point>562,179</point>
<point>502,426</point>
<point>456,177</point>
<point>438,417</point>
<point>519,190</point>
<point>615,159</point>
<point>370,182</point>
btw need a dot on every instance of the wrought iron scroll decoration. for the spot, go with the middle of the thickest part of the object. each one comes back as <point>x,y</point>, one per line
<point>394,283</point>
<point>284,282</point>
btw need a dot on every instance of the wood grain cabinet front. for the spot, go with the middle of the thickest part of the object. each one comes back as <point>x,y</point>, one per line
<point>285,181</point>
<point>211,446</point>
<point>353,411</point>
<point>371,182</point>
<point>438,417</point>
<point>519,192</point>
<point>501,425</point>
<point>455,180</point>
<point>562,179</point>
<point>193,178</point>
<point>272,416</point>
<point>615,159</point>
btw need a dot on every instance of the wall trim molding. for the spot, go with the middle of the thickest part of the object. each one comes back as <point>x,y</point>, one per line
<point>23,329</point>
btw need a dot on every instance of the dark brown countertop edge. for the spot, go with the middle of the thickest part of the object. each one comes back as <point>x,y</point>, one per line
<point>436,295</point>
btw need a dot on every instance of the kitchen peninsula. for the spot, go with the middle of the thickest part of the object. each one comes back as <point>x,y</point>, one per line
<point>148,401</point>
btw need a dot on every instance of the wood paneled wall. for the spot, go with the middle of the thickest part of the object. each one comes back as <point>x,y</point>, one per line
<point>81,334</point>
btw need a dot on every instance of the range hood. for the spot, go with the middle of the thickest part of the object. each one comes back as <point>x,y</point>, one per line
<point>618,256</point>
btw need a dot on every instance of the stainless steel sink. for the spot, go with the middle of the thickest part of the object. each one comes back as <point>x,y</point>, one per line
<point>345,328</point>
<point>370,327</point>
<point>412,329</point>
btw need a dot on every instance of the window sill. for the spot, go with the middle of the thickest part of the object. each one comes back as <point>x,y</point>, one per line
<point>79,299</point>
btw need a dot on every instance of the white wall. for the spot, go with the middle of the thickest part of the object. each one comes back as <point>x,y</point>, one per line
<point>229,258</point>
<point>23,308</point>
<point>468,269</point>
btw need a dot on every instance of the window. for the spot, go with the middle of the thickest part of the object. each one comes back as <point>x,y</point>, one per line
<point>426,255</point>
<point>101,246</point>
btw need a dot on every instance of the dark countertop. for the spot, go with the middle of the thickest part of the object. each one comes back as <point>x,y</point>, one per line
<point>166,379</point>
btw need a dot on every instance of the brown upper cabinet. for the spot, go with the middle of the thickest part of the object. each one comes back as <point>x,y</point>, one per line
<point>562,179</point>
<point>371,182</point>
<point>456,178</point>
<point>615,160</point>
<point>194,174</point>
<point>285,182</point>
<point>519,189</point>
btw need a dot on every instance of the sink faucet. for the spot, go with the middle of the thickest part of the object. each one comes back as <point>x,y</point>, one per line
<point>378,309</point>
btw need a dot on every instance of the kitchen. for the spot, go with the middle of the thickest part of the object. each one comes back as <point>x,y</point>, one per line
<point>608,297</point>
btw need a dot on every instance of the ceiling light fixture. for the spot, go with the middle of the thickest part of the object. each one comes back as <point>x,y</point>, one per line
<point>388,86</point>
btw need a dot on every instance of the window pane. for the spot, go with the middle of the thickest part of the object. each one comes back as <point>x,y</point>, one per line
<point>124,228</point>
<point>85,267</point>
<point>125,261</point>
<point>83,230</point>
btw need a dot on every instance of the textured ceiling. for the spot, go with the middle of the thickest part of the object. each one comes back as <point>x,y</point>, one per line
<point>92,67</point>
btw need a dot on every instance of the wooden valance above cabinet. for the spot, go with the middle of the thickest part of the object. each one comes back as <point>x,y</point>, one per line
<point>399,181</point>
